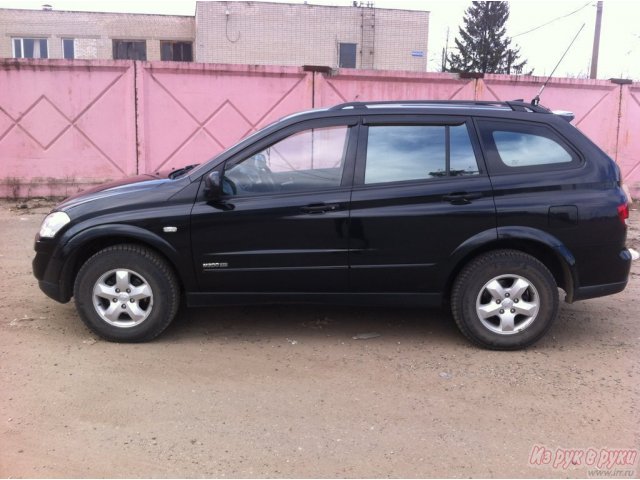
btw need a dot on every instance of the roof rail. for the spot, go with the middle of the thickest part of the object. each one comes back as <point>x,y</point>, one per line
<point>515,105</point>
<point>522,106</point>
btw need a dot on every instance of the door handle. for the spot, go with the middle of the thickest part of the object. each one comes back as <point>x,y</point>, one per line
<point>320,208</point>
<point>461,198</point>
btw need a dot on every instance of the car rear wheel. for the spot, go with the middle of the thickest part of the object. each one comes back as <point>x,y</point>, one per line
<point>504,300</point>
<point>126,293</point>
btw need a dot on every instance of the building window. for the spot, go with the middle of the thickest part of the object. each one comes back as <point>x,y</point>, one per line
<point>129,50</point>
<point>176,51</point>
<point>347,55</point>
<point>68,49</point>
<point>30,48</point>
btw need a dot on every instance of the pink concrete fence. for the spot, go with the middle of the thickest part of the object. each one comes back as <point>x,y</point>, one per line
<point>65,125</point>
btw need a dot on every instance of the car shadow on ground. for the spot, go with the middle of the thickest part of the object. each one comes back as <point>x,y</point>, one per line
<point>591,322</point>
<point>297,323</point>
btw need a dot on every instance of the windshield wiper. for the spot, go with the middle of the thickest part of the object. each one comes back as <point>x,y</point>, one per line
<point>181,171</point>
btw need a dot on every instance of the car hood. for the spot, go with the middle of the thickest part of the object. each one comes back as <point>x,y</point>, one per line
<point>116,188</point>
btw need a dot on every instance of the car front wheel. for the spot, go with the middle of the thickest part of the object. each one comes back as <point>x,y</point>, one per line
<point>504,300</point>
<point>126,293</point>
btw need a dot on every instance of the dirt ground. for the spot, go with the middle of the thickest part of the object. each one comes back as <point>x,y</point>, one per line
<point>288,392</point>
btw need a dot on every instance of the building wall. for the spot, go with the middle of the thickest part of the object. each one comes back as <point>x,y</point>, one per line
<point>93,32</point>
<point>400,33</point>
<point>297,34</point>
<point>237,32</point>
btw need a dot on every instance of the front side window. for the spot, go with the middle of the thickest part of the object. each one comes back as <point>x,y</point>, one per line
<point>30,48</point>
<point>308,160</point>
<point>397,153</point>
<point>129,50</point>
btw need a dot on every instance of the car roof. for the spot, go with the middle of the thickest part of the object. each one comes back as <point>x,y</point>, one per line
<point>436,107</point>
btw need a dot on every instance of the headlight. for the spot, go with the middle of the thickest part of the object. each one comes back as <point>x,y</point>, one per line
<point>53,223</point>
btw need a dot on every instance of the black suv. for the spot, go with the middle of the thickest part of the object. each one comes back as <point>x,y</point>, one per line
<point>486,206</point>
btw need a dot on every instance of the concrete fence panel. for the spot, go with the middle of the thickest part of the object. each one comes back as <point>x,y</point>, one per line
<point>187,113</point>
<point>628,136</point>
<point>363,85</point>
<point>65,125</point>
<point>595,103</point>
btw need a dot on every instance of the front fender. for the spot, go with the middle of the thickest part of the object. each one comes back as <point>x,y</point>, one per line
<point>182,265</point>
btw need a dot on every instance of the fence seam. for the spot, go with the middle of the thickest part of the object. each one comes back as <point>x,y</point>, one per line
<point>136,116</point>
<point>619,121</point>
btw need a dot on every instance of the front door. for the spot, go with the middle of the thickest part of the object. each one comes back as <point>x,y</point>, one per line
<point>282,223</point>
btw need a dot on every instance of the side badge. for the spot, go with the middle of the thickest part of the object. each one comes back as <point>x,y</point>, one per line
<point>211,265</point>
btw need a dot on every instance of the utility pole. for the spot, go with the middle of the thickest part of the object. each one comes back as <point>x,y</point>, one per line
<point>596,42</point>
<point>445,52</point>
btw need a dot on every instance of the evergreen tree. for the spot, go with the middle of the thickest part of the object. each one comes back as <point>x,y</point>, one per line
<point>483,45</point>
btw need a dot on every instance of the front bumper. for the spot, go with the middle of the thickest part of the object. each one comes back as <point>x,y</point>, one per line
<point>52,290</point>
<point>48,270</point>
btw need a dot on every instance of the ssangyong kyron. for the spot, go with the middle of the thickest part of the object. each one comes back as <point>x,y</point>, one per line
<point>487,207</point>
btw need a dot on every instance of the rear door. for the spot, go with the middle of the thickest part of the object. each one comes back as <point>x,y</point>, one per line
<point>420,191</point>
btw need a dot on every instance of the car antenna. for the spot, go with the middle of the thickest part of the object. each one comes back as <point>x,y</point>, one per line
<point>536,100</point>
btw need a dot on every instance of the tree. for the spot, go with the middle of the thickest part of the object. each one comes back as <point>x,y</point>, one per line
<point>483,45</point>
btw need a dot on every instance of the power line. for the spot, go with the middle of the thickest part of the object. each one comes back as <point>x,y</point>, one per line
<point>551,21</point>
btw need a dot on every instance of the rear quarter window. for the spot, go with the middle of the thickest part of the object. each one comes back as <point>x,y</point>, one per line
<point>516,146</point>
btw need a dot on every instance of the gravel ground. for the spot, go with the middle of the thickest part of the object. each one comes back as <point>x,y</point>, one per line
<point>288,392</point>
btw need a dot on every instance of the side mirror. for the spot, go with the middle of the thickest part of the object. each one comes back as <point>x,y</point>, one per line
<point>213,185</point>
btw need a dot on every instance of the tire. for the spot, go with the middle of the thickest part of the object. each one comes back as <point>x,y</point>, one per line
<point>499,279</point>
<point>126,293</point>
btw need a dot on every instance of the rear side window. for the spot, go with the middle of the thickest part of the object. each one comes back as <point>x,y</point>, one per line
<point>398,153</point>
<point>511,146</point>
<point>463,159</point>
